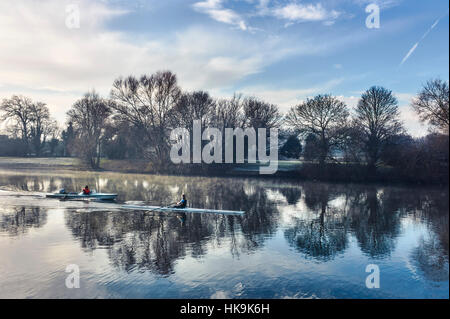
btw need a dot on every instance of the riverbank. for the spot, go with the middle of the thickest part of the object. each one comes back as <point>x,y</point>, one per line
<point>72,164</point>
<point>292,170</point>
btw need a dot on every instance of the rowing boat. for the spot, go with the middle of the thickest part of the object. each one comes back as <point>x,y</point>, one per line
<point>101,196</point>
<point>181,210</point>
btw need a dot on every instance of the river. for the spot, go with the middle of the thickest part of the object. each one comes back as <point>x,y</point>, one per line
<point>296,239</point>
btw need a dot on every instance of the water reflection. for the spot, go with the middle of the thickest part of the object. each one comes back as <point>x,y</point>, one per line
<point>18,220</point>
<point>148,241</point>
<point>430,259</point>
<point>154,241</point>
<point>292,194</point>
<point>323,234</point>
<point>322,219</point>
<point>375,220</point>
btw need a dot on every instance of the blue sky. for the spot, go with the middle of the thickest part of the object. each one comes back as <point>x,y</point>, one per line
<point>282,51</point>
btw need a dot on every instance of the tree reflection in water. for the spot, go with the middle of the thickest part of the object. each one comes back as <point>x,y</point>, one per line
<point>372,215</point>
<point>431,255</point>
<point>430,259</point>
<point>325,234</point>
<point>292,194</point>
<point>18,220</point>
<point>375,220</point>
<point>324,217</point>
<point>154,241</point>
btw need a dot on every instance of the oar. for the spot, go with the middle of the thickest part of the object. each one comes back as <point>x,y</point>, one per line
<point>168,206</point>
<point>156,209</point>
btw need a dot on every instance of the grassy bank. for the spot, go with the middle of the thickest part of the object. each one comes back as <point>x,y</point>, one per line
<point>286,170</point>
<point>73,164</point>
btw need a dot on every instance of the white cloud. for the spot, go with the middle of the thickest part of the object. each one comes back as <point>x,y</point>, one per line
<point>301,12</point>
<point>286,98</point>
<point>263,7</point>
<point>216,11</point>
<point>409,117</point>
<point>404,97</point>
<point>42,58</point>
<point>291,12</point>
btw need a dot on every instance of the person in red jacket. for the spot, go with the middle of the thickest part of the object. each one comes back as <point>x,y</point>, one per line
<point>86,190</point>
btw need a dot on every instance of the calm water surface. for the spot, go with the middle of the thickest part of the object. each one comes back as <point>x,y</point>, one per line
<point>296,240</point>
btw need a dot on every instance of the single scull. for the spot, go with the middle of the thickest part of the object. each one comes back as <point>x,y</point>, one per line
<point>182,210</point>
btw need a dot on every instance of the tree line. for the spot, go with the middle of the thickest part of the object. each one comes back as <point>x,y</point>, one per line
<point>30,125</point>
<point>135,122</point>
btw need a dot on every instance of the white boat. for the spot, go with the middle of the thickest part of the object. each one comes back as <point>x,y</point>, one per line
<point>182,210</point>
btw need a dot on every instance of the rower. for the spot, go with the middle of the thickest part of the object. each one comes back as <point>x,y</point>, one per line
<point>86,190</point>
<point>182,203</point>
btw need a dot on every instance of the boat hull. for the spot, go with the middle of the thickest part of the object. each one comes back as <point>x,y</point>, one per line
<point>100,196</point>
<point>181,210</point>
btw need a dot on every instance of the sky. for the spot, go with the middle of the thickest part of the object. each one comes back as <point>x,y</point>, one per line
<point>54,51</point>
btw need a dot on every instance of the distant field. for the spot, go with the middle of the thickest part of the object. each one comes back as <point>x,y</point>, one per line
<point>282,166</point>
<point>41,162</point>
<point>69,163</point>
<point>130,166</point>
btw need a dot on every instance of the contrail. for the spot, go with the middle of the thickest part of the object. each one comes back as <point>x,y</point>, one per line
<point>411,51</point>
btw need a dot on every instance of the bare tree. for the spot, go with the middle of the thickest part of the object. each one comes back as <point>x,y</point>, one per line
<point>29,120</point>
<point>16,111</point>
<point>41,126</point>
<point>89,116</point>
<point>148,103</point>
<point>377,118</point>
<point>260,114</point>
<point>431,104</point>
<point>198,105</point>
<point>325,117</point>
<point>228,113</point>
<point>195,106</point>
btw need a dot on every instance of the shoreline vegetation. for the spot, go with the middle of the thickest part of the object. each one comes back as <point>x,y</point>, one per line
<point>320,138</point>
<point>288,170</point>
